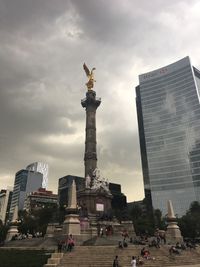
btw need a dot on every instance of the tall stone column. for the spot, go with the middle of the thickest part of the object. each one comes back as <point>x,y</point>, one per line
<point>90,103</point>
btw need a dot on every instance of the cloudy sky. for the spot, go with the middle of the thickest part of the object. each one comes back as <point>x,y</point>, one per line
<point>43,44</point>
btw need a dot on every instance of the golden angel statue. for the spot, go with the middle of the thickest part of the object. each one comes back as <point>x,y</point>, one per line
<point>90,75</point>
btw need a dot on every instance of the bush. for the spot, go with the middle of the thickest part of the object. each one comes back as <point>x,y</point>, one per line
<point>23,258</point>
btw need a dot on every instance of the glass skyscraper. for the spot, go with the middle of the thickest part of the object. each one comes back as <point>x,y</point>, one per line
<point>168,111</point>
<point>42,168</point>
<point>25,182</point>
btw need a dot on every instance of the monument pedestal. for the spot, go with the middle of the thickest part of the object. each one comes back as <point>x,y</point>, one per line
<point>173,233</point>
<point>95,201</point>
<point>84,223</point>
<point>13,230</point>
<point>53,229</point>
<point>71,225</point>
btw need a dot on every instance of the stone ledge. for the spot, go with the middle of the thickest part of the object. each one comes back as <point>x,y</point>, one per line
<point>57,255</point>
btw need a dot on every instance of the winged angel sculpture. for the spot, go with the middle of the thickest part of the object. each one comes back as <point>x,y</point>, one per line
<point>90,75</point>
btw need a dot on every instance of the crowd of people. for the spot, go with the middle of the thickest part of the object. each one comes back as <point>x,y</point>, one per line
<point>139,260</point>
<point>21,236</point>
<point>179,247</point>
<point>67,245</point>
<point>105,231</point>
<point>156,241</point>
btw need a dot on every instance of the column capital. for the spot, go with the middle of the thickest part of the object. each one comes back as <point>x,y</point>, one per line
<point>91,100</point>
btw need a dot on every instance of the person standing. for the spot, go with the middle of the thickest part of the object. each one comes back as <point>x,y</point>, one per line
<point>60,246</point>
<point>133,262</point>
<point>116,262</point>
<point>70,243</point>
<point>101,232</point>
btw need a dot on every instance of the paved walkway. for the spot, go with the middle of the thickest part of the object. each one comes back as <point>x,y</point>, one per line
<point>196,265</point>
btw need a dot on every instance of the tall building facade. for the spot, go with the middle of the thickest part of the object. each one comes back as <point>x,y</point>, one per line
<point>168,111</point>
<point>42,168</point>
<point>25,182</point>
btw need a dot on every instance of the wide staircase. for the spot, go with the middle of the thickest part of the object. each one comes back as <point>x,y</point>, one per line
<point>102,256</point>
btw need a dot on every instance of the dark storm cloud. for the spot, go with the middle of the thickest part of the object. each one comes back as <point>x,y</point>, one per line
<point>115,23</point>
<point>42,49</point>
<point>30,16</point>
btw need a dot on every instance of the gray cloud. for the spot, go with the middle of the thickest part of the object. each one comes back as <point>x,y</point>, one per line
<point>43,46</point>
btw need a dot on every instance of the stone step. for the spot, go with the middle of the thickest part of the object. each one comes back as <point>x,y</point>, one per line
<point>50,265</point>
<point>57,255</point>
<point>102,256</point>
<point>53,261</point>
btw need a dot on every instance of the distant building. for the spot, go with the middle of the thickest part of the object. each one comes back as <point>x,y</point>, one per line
<point>40,199</point>
<point>42,168</point>
<point>25,182</point>
<point>63,185</point>
<point>5,201</point>
<point>118,201</point>
<point>168,108</point>
<point>138,204</point>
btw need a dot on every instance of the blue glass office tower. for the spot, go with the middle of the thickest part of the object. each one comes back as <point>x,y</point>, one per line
<point>168,111</point>
<point>25,182</point>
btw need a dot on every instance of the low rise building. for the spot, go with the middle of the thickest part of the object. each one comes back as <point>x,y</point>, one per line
<point>41,198</point>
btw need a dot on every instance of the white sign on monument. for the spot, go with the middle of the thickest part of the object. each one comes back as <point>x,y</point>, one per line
<point>99,207</point>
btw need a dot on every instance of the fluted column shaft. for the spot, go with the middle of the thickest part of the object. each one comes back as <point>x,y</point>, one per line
<point>90,103</point>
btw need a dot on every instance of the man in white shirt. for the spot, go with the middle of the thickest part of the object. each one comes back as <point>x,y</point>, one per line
<point>133,262</point>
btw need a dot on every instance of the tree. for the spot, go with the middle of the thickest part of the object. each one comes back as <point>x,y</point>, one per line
<point>37,220</point>
<point>3,232</point>
<point>122,214</point>
<point>144,221</point>
<point>190,223</point>
<point>195,208</point>
<point>143,225</point>
<point>159,222</point>
<point>136,212</point>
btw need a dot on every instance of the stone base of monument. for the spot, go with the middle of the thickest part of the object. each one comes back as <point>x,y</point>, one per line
<point>71,225</point>
<point>13,230</point>
<point>96,204</point>
<point>84,224</point>
<point>97,201</point>
<point>119,228</point>
<point>128,227</point>
<point>88,227</point>
<point>173,234</point>
<point>95,213</point>
<point>53,229</point>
